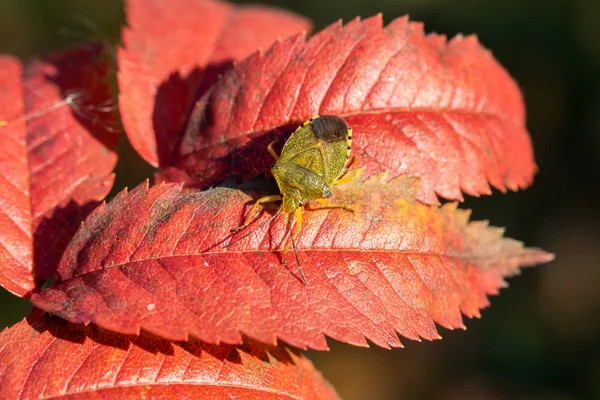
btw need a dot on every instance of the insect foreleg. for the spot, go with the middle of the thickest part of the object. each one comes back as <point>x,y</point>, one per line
<point>271,150</point>
<point>254,209</point>
<point>295,220</point>
<point>327,205</point>
<point>298,221</point>
<point>346,179</point>
<point>350,174</point>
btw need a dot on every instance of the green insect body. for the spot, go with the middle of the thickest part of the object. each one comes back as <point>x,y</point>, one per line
<point>312,159</point>
<point>311,162</point>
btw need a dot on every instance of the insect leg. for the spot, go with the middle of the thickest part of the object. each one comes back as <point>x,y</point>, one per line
<point>268,221</point>
<point>346,179</point>
<point>327,205</point>
<point>298,218</point>
<point>294,221</point>
<point>350,175</point>
<point>254,209</point>
<point>270,148</point>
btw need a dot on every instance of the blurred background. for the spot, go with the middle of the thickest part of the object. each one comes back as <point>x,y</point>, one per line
<point>541,337</point>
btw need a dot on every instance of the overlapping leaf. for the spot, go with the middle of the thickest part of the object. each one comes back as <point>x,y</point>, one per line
<point>63,360</point>
<point>58,135</point>
<point>154,259</point>
<point>446,112</point>
<point>173,51</point>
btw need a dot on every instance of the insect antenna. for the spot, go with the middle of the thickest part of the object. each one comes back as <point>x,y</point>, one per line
<point>297,259</point>
<point>254,230</point>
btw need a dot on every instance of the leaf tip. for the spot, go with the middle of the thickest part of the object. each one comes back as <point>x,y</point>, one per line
<point>471,40</point>
<point>539,256</point>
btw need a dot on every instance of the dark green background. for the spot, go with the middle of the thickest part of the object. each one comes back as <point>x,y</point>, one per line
<point>541,338</point>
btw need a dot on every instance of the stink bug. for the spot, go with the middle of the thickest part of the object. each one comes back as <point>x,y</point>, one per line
<point>313,159</point>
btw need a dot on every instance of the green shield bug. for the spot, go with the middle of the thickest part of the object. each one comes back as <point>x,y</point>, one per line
<point>312,160</point>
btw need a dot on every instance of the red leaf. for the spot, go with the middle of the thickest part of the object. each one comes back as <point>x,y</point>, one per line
<point>16,242</point>
<point>153,259</point>
<point>173,52</point>
<point>445,112</point>
<point>56,161</point>
<point>78,362</point>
